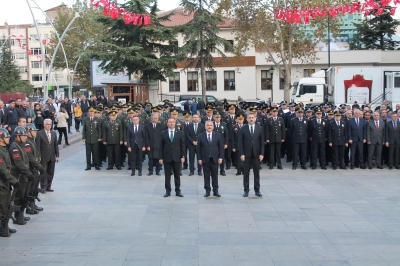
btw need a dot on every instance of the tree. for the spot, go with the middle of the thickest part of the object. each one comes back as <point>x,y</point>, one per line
<point>81,37</point>
<point>143,50</point>
<point>256,26</point>
<point>10,80</point>
<point>376,31</point>
<point>201,36</point>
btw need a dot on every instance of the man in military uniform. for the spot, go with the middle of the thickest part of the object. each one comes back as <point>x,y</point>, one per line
<point>128,121</point>
<point>230,120</point>
<point>275,134</point>
<point>34,165</point>
<point>209,115</point>
<point>113,138</point>
<point>299,130</point>
<point>102,148</point>
<point>91,135</point>
<point>288,141</point>
<point>235,135</point>
<point>317,131</point>
<point>6,179</point>
<point>337,138</point>
<point>221,128</point>
<point>20,167</point>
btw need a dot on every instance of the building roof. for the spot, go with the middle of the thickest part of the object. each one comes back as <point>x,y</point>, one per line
<point>56,8</point>
<point>180,17</point>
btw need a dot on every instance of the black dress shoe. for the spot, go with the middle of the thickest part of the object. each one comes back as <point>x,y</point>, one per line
<point>304,167</point>
<point>397,167</point>
<point>280,167</point>
<point>227,168</point>
<point>158,173</point>
<point>238,173</point>
<point>167,194</point>
<point>178,194</point>
<point>88,169</point>
<point>97,168</point>
<point>223,174</point>
<point>119,168</point>
<point>185,168</point>
<point>12,231</point>
<point>122,165</point>
<point>191,173</point>
<point>133,174</point>
<point>200,173</point>
<point>343,167</point>
<point>313,168</point>
<point>271,167</point>
<point>323,167</point>
<point>26,218</point>
<point>140,174</point>
<point>109,168</point>
<point>352,167</point>
<point>216,194</point>
<point>369,166</point>
<point>289,160</point>
<point>334,167</point>
<point>150,173</point>
<point>362,167</point>
<point>294,168</point>
<point>38,208</point>
<point>245,194</point>
<point>207,194</point>
<point>258,194</point>
<point>380,167</point>
<point>67,144</point>
<point>129,168</point>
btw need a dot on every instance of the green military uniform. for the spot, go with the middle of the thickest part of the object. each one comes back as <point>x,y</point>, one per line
<point>5,180</point>
<point>20,167</point>
<point>112,135</point>
<point>91,133</point>
<point>127,123</point>
<point>34,166</point>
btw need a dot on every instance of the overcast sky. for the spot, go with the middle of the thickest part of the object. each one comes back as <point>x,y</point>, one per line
<point>17,11</point>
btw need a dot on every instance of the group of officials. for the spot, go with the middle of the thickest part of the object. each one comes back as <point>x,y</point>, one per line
<point>27,162</point>
<point>238,136</point>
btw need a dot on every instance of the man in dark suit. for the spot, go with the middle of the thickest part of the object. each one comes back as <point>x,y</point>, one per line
<point>288,141</point>
<point>375,132</point>
<point>222,129</point>
<point>91,135</point>
<point>135,137</point>
<point>275,132</point>
<point>356,137</point>
<point>210,153</point>
<point>172,155</point>
<point>317,132</point>
<point>192,132</point>
<point>392,139</point>
<point>299,130</point>
<point>153,132</point>
<point>235,142</point>
<point>251,151</point>
<point>46,142</point>
<point>337,139</point>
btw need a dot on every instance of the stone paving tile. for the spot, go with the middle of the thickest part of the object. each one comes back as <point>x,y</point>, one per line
<point>304,218</point>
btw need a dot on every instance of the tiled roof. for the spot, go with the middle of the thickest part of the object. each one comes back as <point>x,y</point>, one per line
<point>179,17</point>
<point>56,8</point>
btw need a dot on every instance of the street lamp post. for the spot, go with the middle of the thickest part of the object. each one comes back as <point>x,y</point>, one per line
<point>271,72</point>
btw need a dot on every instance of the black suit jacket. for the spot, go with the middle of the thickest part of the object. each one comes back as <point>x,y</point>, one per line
<point>48,151</point>
<point>318,132</point>
<point>139,137</point>
<point>172,151</point>
<point>190,135</point>
<point>355,133</point>
<point>153,139</point>
<point>205,149</point>
<point>337,135</point>
<point>392,136</point>
<point>249,145</point>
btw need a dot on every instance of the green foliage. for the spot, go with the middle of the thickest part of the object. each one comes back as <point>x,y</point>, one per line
<point>142,50</point>
<point>10,80</point>
<point>376,31</point>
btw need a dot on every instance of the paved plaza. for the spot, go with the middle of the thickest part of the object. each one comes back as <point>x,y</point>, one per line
<point>342,217</point>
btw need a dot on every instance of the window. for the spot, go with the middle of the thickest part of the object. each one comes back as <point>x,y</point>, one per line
<point>211,80</point>
<point>308,72</point>
<point>228,49</point>
<point>19,56</point>
<point>309,89</point>
<point>15,42</point>
<point>33,38</point>
<point>229,80</point>
<point>174,82</point>
<point>282,80</point>
<point>174,47</point>
<point>266,81</point>
<point>23,69</point>
<point>192,81</point>
<point>211,49</point>
<point>37,77</point>
<point>36,51</point>
<point>36,64</point>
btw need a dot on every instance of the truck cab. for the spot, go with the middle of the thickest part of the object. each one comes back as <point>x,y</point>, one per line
<point>309,90</point>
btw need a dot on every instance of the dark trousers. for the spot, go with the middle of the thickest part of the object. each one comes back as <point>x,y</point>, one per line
<point>176,167</point>
<point>300,150</point>
<point>92,150</point>
<point>211,171</point>
<point>289,147</point>
<point>69,122</point>
<point>377,149</point>
<point>114,155</point>
<point>347,154</point>
<point>318,149</point>
<point>5,197</point>
<point>77,123</point>
<point>356,146</point>
<point>275,154</point>
<point>46,178</point>
<point>61,131</point>
<point>102,152</point>
<point>137,156</point>
<point>338,151</point>
<point>154,162</point>
<point>192,153</point>
<point>20,194</point>
<point>394,154</point>
<point>239,163</point>
<point>228,158</point>
<point>255,162</point>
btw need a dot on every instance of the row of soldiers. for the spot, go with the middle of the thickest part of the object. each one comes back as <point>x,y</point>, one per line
<point>20,171</point>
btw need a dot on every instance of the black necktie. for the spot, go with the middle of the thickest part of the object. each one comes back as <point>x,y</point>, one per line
<point>135,129</point>
<point>209,139</point>
<point>251,131</point>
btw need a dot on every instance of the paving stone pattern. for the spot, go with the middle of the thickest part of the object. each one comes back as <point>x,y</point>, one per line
<point>304,218</point>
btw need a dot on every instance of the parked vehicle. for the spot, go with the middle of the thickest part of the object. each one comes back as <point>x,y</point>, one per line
<point>210,98</point>
<point>180,105</point>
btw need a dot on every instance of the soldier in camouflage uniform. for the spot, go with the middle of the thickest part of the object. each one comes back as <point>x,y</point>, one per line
<point>6,179</point>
